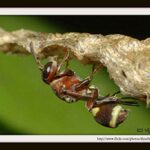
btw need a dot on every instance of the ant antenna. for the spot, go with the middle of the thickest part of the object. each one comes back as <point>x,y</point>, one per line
<point>37,59</point>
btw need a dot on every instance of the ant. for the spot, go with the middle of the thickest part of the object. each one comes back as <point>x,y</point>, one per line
<point>66,84</point>
<point>71,88</point>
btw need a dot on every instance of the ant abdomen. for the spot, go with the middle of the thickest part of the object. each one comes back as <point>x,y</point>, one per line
<point>109,114</point>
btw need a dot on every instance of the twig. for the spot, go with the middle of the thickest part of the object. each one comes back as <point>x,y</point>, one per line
<point>127,59</point>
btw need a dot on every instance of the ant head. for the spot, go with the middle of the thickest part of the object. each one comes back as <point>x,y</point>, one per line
<point>49,70</point>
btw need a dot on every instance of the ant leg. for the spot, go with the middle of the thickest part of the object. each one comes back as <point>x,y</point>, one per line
<point>93,94</point>
<point>67,63</point>
<point>128,98</point>
<point>108,95</point>
<point>116,93</point>
<point>37,59</point>
<point>82,85</point>
<point>121,101</point>
<point>147,100</point>
<point>129,103</point>
<point>106,99</point>
<point>85,83</point>
<point>67,72</point>
<point>100,98</point>
<point>75,94</point>
<point>65,59</point>
<point>89,104</point>
<point>95,68</point>
<point>52,58</point>
<point>115,100</point>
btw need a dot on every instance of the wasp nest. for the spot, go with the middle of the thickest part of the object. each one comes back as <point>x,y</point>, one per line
<point>127,59</point>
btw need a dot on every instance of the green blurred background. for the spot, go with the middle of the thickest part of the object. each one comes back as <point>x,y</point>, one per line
<point>28,106</point>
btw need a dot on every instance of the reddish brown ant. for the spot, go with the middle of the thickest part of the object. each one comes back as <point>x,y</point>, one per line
<point>66,84</point>
<point>71,88</point>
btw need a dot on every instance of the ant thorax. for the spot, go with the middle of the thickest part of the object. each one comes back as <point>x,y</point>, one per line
<point>65,83</point>
<point>68,88</point>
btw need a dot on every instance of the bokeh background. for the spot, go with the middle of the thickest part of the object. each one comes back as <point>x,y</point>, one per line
<point>28,106</point>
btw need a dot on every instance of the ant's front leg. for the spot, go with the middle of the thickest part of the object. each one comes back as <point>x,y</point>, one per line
<point>95,68</point>
<point>65,59</point>
<point>67,72</point>
<point>37,59</point>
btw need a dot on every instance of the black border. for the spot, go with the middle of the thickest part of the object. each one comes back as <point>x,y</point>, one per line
<point>91,146</point>
<point>74,3</point>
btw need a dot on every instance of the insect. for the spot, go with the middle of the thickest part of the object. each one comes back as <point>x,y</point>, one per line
<point>66,84</point>
<point>71,88</point>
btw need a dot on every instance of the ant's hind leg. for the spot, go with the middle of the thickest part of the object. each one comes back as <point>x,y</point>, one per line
<point>116,93</point>
<point>122,101</point>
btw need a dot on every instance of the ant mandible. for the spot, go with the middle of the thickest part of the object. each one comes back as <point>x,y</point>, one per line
<point>70,88</point>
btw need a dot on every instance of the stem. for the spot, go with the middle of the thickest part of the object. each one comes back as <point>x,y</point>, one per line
<point>126,58</point>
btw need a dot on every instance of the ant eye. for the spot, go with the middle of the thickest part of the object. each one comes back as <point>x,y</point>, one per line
<point>47,70</point>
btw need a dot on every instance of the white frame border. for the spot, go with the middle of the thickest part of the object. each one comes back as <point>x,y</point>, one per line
<point>75,11</point>
<point>75,138</point>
